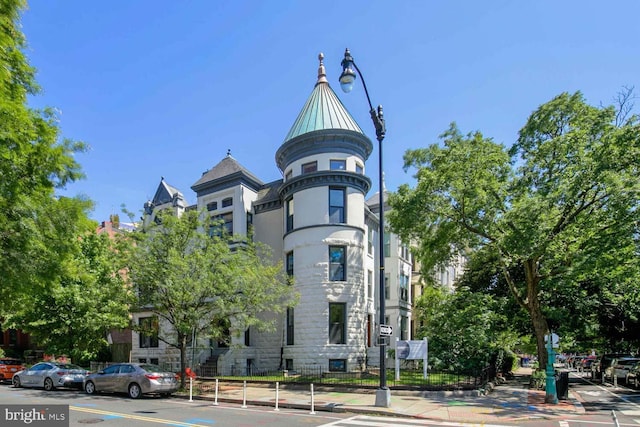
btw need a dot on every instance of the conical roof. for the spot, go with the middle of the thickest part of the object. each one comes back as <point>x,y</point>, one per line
<point>323,110</point>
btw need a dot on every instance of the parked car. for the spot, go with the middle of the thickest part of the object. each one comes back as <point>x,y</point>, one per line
<point>8,367</point>
<point>633,376</point>
<point>575,362</point>
<point>620,367</point>
<point>135,379</point>
<point>50,375</point>
<point>587,363</point>
<point>606,361</point>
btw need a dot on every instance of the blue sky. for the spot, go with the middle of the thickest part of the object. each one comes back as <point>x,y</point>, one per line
<point>165,88</point>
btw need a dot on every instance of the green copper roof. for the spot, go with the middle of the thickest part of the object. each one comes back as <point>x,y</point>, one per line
<point>323,110</point>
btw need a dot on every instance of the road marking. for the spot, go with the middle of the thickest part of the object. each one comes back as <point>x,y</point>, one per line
<point>624,399</point>
<point>364,420</point>
<point>606,423</point>
<point>134,417</point>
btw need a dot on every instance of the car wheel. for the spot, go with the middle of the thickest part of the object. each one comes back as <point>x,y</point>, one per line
<point>90,387</point>
<point>134,391</point>
<point>48,384</point>
<point>16,382</point>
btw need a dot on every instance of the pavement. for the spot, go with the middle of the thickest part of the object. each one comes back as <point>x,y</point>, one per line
<point>506,401</point>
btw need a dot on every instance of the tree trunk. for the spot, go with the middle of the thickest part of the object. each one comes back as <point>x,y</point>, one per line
<point>538,319</point>
<point>182,339</point>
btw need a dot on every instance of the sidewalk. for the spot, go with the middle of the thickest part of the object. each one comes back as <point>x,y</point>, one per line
<point>506,402</point>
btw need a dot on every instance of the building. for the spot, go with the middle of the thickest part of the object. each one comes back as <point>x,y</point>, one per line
<point>318,220</point>
<point>14,342</point>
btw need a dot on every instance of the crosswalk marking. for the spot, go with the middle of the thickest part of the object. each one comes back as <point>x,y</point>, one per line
<point>382,421</point>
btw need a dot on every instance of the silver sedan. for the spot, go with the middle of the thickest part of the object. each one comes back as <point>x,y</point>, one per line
<point>50,375</point>
<point>135,379</point>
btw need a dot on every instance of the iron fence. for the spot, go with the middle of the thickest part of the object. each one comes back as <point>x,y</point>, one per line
<point>408,379</point>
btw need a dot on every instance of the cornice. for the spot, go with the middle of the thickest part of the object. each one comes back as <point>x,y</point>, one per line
<point>358,181</point>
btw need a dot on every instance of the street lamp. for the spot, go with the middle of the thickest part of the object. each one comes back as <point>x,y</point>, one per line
<point>347,78</point>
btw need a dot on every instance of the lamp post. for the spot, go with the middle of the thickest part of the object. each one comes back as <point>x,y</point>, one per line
<point>348,76</point>
<point>551,393</point>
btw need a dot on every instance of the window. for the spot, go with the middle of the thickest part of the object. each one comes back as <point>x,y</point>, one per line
<point>337,321</point>
<point>247,337</point>
<point>148,333</point>
<point>403,327</point>
<point>336,205</point>
<point>404,287</point>
<point>337,365</point>
<point>227,202</point>
<point>288,364</point>
<point>250,225</point>
<point>127,369</point>
<point>370,241</point>
<point>387,286</point>
<point>289,262</point>
<point>405,252</point>
<point>288,176</point>
<point>290,214</point>
<point>387,245</point>
<point>370,283</point>
<point>359,169</point>
<point>290,322</point>
<point>13,337</point>
<point>112,370</point>
<point>212,206</point>
<point>222,224</point>
<point>338,165</point>
<point>309,167</point>
<point>337,263</point>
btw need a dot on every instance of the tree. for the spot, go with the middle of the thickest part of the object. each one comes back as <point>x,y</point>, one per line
<point>199,283</point>
<point>554,205</point>
<point>466,330</point>
<point>73,315</point>
<point>33,163</point>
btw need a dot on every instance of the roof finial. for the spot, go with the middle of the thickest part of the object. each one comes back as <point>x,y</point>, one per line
<point>228,152</point>
<point>322,76</point>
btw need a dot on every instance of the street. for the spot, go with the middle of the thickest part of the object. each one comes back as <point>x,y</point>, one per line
<point>120,411</point>
<point>600,403</point>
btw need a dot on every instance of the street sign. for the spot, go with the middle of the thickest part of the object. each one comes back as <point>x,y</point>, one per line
<point>386,330</point>
<point>555,340</point>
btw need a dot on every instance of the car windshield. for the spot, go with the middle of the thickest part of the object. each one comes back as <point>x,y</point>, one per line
<point>10,362</point>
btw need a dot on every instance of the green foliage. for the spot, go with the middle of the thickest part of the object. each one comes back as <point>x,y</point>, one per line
<point>464,330</point>
<point>34,161</point>
<point>558,211</point>
<point>88,297</point>
<point>196,283</point>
